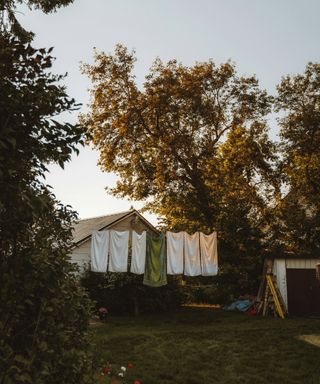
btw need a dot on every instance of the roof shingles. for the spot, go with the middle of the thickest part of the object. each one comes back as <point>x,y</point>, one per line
<point>83,228</point>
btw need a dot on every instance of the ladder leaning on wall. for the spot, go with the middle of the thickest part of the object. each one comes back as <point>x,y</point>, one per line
<point>269,299</point>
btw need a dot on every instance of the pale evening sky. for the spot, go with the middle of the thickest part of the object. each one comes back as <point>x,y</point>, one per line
<point>266,38</point>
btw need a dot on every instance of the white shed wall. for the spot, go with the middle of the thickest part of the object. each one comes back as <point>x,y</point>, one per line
<point>280,271</point>
<point>301,263</point>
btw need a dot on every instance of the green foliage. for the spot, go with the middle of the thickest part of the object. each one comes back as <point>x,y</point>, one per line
<point>299,210</point>
<point>45,5</point>
<point>206,294</point>
<point>9,22</point>
<point>43,311</point>
<point>125,293</point>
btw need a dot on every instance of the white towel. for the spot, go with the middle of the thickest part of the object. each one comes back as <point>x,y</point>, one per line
<point>138,259</point>
<point>209,254</point>
<point>99,251</point>
<point>174,253</point>
<point>118,251</point>
<point>192,265</point>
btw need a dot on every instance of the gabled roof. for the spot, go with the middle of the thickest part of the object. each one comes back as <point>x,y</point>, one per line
<point>82,229</point>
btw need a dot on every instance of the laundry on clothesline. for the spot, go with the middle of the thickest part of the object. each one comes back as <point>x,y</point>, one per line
<point>119,244</point>
<point>174,253</point>
<point>99,251</point>
<point>209,254</point>
<point>138,257</point>
<point>155,257</point>
<point>192,265</point>
<point>155,273</point>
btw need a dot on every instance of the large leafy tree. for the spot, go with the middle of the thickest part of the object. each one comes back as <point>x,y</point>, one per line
<point>192,142</point>
<point>298,211</point>
<point>43,311</point>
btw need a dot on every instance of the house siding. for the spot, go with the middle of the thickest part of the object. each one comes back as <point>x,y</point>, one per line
<point>81,255</point>
<point>130,223</point>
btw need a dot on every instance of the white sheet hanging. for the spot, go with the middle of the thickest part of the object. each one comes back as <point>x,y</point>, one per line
<point>138,259</point>
<point>209,254</point>
<point>118,251</point>
<point>192,265</point>
<point>174,253</point>
<point>99,251</point>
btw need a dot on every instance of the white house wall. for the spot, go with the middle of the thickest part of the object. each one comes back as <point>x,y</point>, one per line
<point>81,255</point>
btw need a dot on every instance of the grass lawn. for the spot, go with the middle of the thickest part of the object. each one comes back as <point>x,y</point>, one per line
<point>198,346</point>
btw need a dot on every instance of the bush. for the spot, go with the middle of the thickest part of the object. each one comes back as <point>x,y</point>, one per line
<point>124,293</point>
<point>206,294</point>
<point>44,312</point>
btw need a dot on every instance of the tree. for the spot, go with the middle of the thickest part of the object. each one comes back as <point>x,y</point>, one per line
<point>298,101</point>
<point>192,142</point>
<point>43,311</point>
<point>8,11</point>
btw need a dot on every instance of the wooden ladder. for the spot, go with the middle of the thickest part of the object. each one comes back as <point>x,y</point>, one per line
<point>269,294</point>
<point>278,302</point>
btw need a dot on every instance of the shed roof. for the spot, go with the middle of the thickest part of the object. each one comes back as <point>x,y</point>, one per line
<point>82,229</point>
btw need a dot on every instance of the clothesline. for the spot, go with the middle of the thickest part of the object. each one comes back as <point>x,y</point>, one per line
<point>156,257</point>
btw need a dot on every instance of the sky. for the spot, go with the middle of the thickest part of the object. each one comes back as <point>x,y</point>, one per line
<point>267,38</point>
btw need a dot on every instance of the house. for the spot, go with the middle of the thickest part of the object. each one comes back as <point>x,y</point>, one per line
<point>298,284</point>
<point>122,221</point>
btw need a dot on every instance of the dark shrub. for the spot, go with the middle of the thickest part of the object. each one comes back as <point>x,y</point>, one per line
<point>124,293</point>
<point>44,313</point>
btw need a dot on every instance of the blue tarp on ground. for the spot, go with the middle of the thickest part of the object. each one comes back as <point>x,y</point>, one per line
<point>239,305</point>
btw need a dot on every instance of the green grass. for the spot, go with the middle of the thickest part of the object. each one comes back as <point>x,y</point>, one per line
<point>199,346</point>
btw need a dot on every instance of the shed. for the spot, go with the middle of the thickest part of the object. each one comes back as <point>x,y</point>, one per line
<point>297,281</point>
<point>121,221</point>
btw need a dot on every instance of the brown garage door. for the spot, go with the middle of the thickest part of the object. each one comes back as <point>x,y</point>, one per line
<point>303,292</point>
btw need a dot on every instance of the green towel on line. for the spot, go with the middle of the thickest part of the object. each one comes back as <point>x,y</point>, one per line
<point>155,272</point>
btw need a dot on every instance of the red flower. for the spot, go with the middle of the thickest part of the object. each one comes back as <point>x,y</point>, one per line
<point>130,365</point>
<point>137,382</point>
<point>106,370</point>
